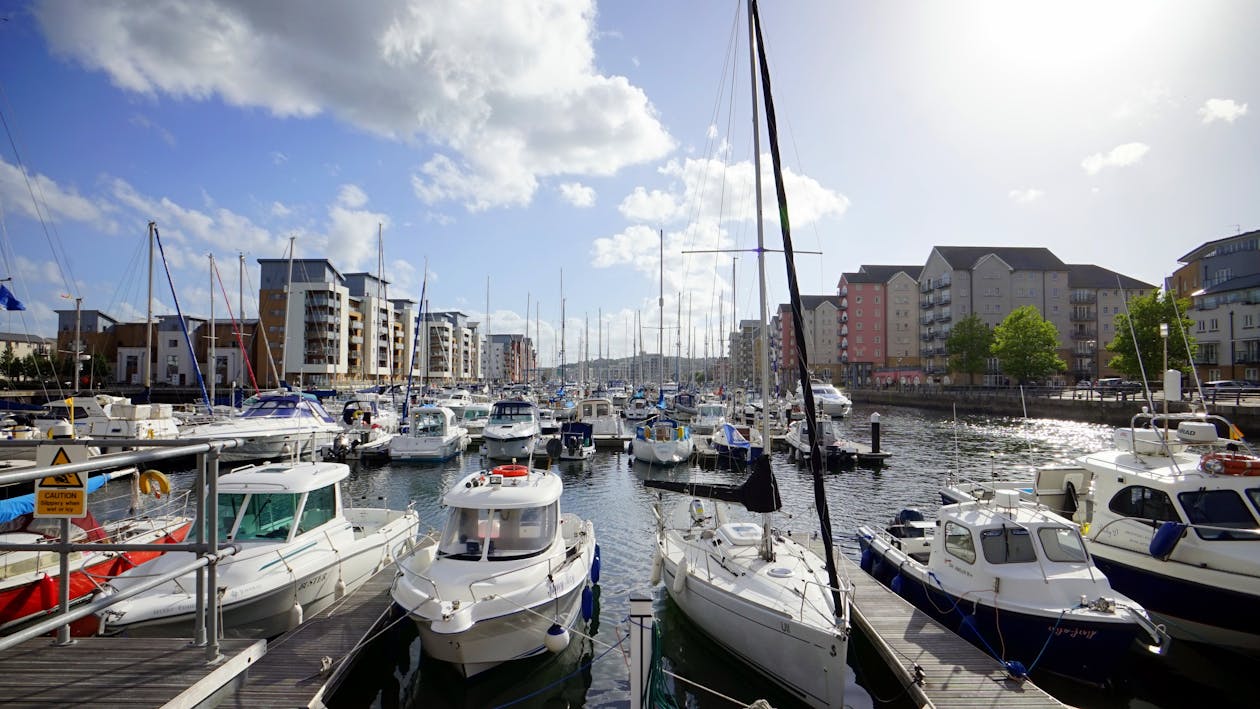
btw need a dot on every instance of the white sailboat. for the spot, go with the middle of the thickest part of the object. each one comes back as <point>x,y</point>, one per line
<point>766,598</point>
<point>662,441</point>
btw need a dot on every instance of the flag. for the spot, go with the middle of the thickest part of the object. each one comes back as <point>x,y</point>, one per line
<point>1235,433</point>
<point>9,301</point>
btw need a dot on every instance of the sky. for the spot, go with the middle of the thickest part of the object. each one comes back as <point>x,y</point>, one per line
<point>538,150</point>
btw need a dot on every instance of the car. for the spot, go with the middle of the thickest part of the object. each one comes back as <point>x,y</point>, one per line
<point>1117,385</point>
<point>1232,385</point>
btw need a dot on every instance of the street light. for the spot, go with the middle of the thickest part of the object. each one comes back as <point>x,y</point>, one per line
<point>1163,334</point>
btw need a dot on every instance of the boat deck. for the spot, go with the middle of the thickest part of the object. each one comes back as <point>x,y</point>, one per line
<point>955,674</point>
<point>121,672</point>
<point>293,674</point>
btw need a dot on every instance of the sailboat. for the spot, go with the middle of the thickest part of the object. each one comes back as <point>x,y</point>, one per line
<point>765,597</point>
<point>662,441</point>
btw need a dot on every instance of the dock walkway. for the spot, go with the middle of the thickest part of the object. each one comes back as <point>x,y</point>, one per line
<point>292,673</point>
<point>956,674</point>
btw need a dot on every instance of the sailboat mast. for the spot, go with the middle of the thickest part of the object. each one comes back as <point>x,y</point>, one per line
<point>660,322</point>
<point>761,244</point>
<point>485,374</point>
<point>562,335</point>
<point>210,353</point>
<point>288,295</point>
<point>148,320</point>
<point>735,325</point>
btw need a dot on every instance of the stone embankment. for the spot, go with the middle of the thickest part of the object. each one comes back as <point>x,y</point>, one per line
<point>1070,404</point>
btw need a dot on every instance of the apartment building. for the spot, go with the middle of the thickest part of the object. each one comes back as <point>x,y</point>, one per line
<point>879,332</point>
<point>510,358</point>
<point>453,349</point>
<point>1097,296</point>
<point>1222,278</point>
<point>821,316</point>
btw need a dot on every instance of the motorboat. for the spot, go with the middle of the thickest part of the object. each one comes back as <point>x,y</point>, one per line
<point>834,446</point>
<point>831,400</point>
<point>433,435</point>
<point>601,414</point>
<point>474,417</point>
<point>577,440</point>
<point>276,425</point>
<point>638,408</point>
<point>369,422</point>
<point>709,416</point>
<point>1015,580</point>
<point>661,441</point>
<point>102,416</point>
<point>547,423</point>
<point>736,445</point>
<point>508,576</point>
<point>30,580</point>
<point>300,548</point>
<point>760,593</point>
<point>512,430</point>
<point>1170,515</point>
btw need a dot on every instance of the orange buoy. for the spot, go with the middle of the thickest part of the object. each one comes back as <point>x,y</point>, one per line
<point>511,471</point>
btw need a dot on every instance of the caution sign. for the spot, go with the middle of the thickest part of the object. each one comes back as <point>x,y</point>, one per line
<point>62,495</point>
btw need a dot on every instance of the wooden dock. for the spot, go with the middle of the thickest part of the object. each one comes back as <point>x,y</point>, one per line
<point>293,672</point>
<point>955,674</point>
<point>122,672</point>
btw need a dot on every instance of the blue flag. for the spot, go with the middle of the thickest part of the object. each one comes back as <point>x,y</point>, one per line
<point>9,301</point>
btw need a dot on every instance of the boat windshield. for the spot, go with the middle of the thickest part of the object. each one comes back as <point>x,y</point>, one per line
<point>245,517</point>
<point>1007,545</point>
<point>511,413</point>
<point>502,534</point>
<point>711,410</point>
<point>1218,515</point>
<point>429,422</point>
<point>1061,544</point>
<point>474,414</point>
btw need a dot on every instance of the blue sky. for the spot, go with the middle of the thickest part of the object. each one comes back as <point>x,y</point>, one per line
<point>513,140</point>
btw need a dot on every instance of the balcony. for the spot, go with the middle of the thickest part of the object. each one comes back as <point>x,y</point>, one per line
<point>1209,358</point>
<point>1083,298</point>
<point>926,337</point>
<point>1084,334</point>
<point>925,287</point>
<point>944,299</point>
<point>944,316</point>
<point>926,319</point>
<point>1084,315</point>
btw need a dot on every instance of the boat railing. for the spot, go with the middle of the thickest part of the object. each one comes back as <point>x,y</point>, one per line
<point>518,569</point>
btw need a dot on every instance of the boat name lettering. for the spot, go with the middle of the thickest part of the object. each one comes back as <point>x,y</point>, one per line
<point>313,580</point>
<point>1084,633</point>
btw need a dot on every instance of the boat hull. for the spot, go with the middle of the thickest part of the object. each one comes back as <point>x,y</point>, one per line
<point>1083,649</point>
<point>406,449</point>
<point>509,448</point>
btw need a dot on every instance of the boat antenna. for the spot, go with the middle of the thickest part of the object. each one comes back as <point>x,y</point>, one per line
<point>1128,316</point>
<point>798,321</point>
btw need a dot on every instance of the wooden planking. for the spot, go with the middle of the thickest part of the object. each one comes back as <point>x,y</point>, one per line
<point>291,672</point>
<point>119,672</point>
<point>956,675</point>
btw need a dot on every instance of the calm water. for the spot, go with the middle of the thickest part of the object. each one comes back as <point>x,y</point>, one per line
<point>926,448</point>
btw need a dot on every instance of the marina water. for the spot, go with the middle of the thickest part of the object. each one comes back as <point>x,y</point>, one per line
<point>926,448</point>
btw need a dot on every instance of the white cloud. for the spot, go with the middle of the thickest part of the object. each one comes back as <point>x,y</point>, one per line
<point>55,202</point>
<point>278,209</point>
<point>1222,109</point>
<point>1120,156</point>
<point>144,122</point>
<point>469,80</point>
<point>1026,196</point>
<point>577,194</point>
<point>655,207</point>
<point>351,196</point>
<point>278,158</point>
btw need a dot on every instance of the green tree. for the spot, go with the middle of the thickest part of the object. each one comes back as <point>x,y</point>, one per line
<point>1025,345</point>
<point>969,346</point>
<point>1146,313</point>
<point>8,362</point>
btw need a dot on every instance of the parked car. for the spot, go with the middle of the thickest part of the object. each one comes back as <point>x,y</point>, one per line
<point>1230,385</point>
<point>1117,385</point>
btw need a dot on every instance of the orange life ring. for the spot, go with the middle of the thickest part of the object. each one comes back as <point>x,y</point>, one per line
<point>1230,463</point>
<point>511,471</point>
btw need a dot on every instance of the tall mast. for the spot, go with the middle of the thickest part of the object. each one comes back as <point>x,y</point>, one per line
<point>734,320</point>
<point>660,321</point>
<point>210,353</point>
<point>767,543</point>
<point>148,321</point>
<point>537,331</point>
<point>288,295</point>
<point>485,375</point>
<point>599,344</point>
<point>562,343</point>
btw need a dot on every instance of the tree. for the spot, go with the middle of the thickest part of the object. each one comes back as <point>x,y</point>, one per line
<point>1025,345</point>
<point>1146,313</point>
<point>969,345</point>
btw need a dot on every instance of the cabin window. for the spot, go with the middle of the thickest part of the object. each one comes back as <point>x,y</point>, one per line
<point>523,532</point>
<point>266,516</point>
<point>958,542</point>
<point>1061,544</point>
<point>321,506</point>
<point>1007,545</point>
<point>1144,503</point>
<point>1215,509</point>
<point>466,531</point>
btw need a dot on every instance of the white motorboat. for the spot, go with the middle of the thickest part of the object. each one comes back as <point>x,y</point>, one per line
<point>275,425</point>
<point>600,413</point>
<point>101,416</point>
<point>834,446</point>
<point>577,440</point>
<point>474,417</point>
<point>662,442</point>
<point>369,423</point>
<point>709,417</point>
<point>508,575</point>
<point>300,549</point>
<point>638,408</point>
<point>512,430</point>
<point>831,401</point>
<point>432,436</point>
<point>754,589</point>
<point>1170,514</point>
<point>1012,577</point>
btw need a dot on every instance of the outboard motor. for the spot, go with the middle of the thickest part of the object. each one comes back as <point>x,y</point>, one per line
<point>900,526</point>
<point>341,447</point>
<point>572,443</point>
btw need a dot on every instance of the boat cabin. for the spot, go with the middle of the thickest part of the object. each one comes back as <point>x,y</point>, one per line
<point>434,421</point>
<point>288,406</point>
<point>278,501</point>
<point>508,412</point>
<point>504,514</point>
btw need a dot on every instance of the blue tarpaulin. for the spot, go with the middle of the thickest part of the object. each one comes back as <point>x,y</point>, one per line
<point>15,507</point>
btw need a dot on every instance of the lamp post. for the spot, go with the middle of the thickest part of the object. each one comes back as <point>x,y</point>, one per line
<point>1163,334</point>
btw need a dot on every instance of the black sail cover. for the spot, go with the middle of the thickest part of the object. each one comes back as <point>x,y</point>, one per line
<point>759,493</point>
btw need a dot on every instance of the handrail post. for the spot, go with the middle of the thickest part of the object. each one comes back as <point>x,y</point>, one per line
<point>640,647</point>
<point>63,581</point>
<point>212,574</point>
<point>199,614</point>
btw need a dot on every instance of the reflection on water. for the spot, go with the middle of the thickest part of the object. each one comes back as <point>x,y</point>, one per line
<point>926,448</point>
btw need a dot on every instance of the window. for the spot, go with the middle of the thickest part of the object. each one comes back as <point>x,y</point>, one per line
<point>172,343</point>
<point>1007,545</point>
<point>1144,503</point>
<point>465,531</point>
<point>1061,544</point>
<point>1249,321</point>
<point>321,506</point>
<point>1218,508</point>
<point>958,542</point>
<point>1213,325</point>
<point>523,532</point>
<point>857,299</point>
<point>266,516</point>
